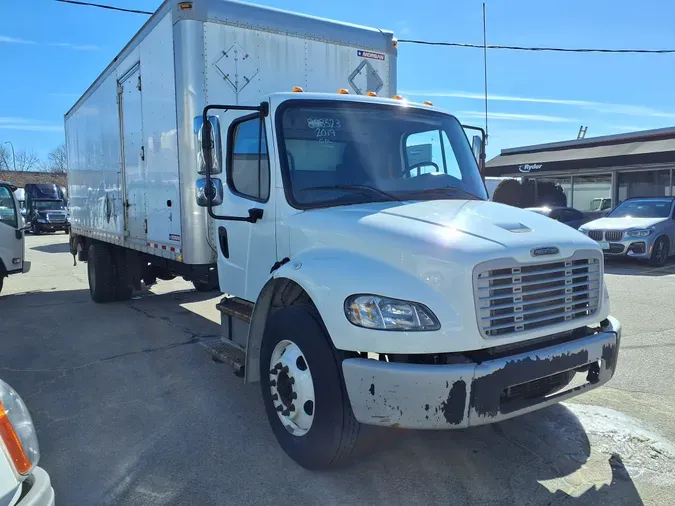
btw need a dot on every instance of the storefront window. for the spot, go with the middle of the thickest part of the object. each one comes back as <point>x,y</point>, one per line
<point>592,193</point>
<point>554,191</point>
<point>651,183</point>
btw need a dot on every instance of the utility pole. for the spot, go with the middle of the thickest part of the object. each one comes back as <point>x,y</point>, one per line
<point>13,157</point>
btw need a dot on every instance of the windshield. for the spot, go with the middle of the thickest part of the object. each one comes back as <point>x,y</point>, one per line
<point>49,205</point>
<point>642,209</point>
<point>349,153</point>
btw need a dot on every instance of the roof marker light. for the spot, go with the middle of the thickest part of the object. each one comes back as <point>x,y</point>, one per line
<point>297,89</point>
<point>398,97</point>
<point>371,94</point>
<point>426,102</point>
<point>343,91</point>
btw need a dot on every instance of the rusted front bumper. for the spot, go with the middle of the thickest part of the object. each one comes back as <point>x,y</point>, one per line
<point>461,395</point>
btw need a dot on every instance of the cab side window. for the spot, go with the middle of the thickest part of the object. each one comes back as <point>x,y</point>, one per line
<point>8,211</point>
<point>245,176</point>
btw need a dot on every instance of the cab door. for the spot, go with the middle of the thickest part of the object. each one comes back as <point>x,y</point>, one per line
<point>11,233</point>
<point>246,249</point>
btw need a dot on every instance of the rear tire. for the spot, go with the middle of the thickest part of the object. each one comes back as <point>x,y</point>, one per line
<point>100,272</point>
<point>123,287</point>
<point>205,286</point>
<point>660,253</point>
<point>333,433</point>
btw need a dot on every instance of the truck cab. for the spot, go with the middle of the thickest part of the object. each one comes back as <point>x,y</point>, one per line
<point>12,247</point>
<point>368,270</point>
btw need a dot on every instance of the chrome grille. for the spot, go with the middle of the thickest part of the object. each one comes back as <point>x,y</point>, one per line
<point>56,218</point>
<point>596,235</point>
<point>613,235</point>
<point>512,298</point>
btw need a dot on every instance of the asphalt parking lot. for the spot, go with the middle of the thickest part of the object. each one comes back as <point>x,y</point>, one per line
<point>130,409</point>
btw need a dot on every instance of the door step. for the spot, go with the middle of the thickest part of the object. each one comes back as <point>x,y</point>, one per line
<point>226,352</point>
<point>236,307</point>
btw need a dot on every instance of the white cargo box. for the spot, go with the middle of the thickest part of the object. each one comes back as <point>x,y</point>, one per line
<point>132,148</point>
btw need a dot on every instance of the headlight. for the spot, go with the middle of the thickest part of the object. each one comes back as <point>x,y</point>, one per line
<point>17,431</point>
<point>375,312</point>
<point>41,220</point>
<point>640,233</point>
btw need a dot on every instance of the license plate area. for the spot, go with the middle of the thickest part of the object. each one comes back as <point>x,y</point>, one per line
<point>603,244</point>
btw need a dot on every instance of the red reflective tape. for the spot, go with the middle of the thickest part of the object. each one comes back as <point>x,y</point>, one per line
<point>163,247</point>
<point>173,249</point>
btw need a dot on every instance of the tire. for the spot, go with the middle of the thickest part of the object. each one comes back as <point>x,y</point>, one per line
<point>205,286</point>
<point>35,229</point>
<point>100,272</point>
<point>333,433</point>
<point>122,282</point>
<point>660,253</point>
<point>2,282</point>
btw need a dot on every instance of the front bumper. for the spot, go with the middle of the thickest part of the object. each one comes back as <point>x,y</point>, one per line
<point>455,396</point>
<point>637,247</point>
<point>53,227</point>
<point>39,489</point>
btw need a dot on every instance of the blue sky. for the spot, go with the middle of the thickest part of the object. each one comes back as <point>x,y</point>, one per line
<point>50,52</point>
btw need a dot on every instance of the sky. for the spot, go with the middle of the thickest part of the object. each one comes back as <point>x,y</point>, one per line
<point>51,52</point>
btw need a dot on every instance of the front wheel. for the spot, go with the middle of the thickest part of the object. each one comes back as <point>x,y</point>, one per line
<point>35,229</point>
<point>660,252</point>
<point>303,389</point>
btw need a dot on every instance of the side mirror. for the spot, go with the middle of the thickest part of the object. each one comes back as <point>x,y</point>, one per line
<point>214,193</point>
<point>477,147</point>
<point>208,136</point>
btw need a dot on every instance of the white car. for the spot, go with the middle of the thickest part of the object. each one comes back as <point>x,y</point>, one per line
<point>22,482</point>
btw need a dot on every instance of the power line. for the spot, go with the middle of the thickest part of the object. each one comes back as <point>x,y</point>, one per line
<point>524,48</point>
<point>438,43</point>
<point>102,6</point>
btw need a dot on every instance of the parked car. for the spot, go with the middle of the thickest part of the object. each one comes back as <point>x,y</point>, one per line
<point>642,227</point>
<point>22,482</point>
<point>567,215</point>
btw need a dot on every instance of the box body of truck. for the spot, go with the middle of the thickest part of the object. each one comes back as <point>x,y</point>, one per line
<point>131,139</point>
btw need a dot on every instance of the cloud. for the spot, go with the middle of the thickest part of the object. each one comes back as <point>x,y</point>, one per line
<point>601,107</point>
<point>13,40</point>
<point>76,47</point>
<point>10,123</point>
<point>515,116</point>
<point>68,45</point>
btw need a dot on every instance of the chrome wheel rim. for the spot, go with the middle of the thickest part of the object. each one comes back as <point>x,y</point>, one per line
<point>292,388</point>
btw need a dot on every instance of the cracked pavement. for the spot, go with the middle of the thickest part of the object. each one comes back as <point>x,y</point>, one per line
<point>130,410</point>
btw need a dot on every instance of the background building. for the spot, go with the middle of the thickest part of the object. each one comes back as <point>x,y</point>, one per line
<point>592,174</point>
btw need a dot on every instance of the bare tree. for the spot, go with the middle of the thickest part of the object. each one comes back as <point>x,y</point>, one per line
<point>57,160</point>
<point>27,160</point>
<point>5,158</point>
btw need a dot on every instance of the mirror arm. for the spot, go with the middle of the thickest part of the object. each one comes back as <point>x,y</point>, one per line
<point>207,149</point>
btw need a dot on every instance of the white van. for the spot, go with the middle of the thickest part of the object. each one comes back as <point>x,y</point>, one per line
<point>12,249</point>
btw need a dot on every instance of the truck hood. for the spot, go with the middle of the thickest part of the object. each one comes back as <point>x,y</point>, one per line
<point>457,226</point>
<point>622,223</point>
<point>429,251</point>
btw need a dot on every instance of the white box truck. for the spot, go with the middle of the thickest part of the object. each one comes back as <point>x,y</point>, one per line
<point>368,279</point>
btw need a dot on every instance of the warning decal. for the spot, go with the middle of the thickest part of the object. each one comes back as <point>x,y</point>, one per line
<point>369,54</point>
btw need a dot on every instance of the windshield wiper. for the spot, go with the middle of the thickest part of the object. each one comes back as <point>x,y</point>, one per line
<point>360,187</point>
<point>443,190</point>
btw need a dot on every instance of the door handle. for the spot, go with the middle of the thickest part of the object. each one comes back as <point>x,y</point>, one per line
<point>255,214</point>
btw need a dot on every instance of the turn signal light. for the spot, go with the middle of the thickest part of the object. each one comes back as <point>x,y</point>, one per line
<point>185,5</point>
<point>297,89</point>
<point>13,443</point>
<point>343,91</point>
<point>371,94</point>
